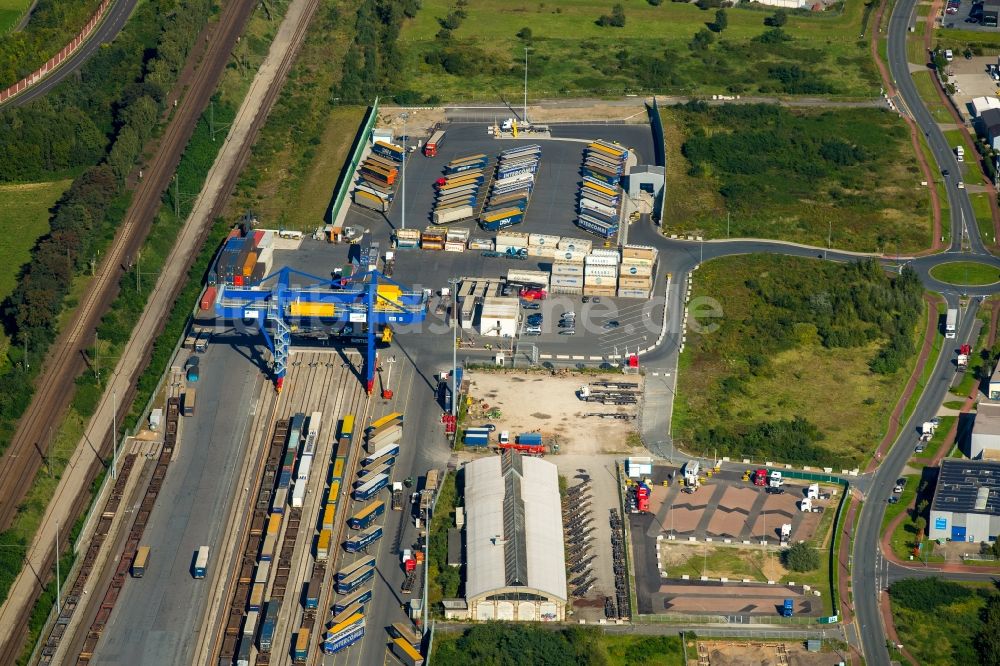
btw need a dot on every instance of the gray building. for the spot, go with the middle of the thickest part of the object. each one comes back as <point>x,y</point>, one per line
<point>984,444</point>
<point>989,126</point>
<point>515,561</point>
<point>966,503</point>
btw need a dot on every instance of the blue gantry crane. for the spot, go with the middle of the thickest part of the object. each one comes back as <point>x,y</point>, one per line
<point>369,300</point>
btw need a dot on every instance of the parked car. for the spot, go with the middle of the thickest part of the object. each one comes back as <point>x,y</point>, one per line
<point>531,305</point>
<point>568,331</point>
<point>920,448</point>
<point>533,330</point>
<point>611,325</point>
<point>535,319</point>
<point>893,500</point>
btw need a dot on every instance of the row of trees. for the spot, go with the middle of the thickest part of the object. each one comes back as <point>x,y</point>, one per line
<point>122,103</point>
<point>371,67</point>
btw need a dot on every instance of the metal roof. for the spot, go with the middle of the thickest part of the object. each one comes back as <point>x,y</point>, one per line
<point>968,486</point>
<point>514,531</point>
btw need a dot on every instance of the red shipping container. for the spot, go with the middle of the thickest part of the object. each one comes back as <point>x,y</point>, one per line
<point>238,280</point>
<point>257,237</point>
<point>235,233</point>
<point>208,299</point>
<point>410,565</point>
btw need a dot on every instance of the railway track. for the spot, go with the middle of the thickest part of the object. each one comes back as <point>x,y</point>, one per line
<point>33,437</point>
<point>316,384</point>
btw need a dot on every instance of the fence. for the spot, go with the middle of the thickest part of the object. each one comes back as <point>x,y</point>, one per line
<point>58,58</point>
<point>347,175</point>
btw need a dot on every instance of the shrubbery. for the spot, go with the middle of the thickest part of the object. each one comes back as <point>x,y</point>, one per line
<point>927,594</point>
<point>801,557</point>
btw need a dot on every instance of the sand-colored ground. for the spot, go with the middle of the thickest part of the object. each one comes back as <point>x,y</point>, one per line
<point>548,404</point>
<point>761,654</point>
<point>749,563</point>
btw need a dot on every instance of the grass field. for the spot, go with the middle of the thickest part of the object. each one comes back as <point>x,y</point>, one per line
<point>942,636</point>
<point>984,215</point>
<point>11,12</point>
<point>966,272</point>
<point>752,164</point>
<point>572,56</point>
<point>928,93</point>
<point>24,217</point>
<point>730,379</point>
<point>925,375</point>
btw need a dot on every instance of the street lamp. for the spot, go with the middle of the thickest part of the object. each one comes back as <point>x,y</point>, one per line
<point>454,346</point>
<point>402,187</point>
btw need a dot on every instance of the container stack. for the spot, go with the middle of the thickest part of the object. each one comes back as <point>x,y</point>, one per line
<point>600,191</point>
<point>635,275</point>
<point>378,176</point>
<point>407,239</point>
<point>244,260</point>
<point>511,190</point>
<point>542,245</point>
<point>567,277</point>
<point>455,240</point>
<point>511,241</point>
<point>457,192</point>
<point>600,275</point>
<point>433,238</point>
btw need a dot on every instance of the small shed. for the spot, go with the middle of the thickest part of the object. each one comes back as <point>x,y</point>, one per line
<point>499,317</point>
<point>454,547</point>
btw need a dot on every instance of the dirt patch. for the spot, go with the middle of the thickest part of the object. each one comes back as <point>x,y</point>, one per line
<point>762,654</point>
<point>518,395</point>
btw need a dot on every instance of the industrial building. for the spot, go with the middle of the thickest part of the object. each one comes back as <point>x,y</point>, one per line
<point>966,503</point>
<point>515,562</point>
<point>985,441</point>
<point>993,392</point>
<point>499,317</point>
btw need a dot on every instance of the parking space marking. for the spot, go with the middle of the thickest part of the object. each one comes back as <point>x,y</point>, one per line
<point>595,358</point>
<point>578,358</point>
<point>545,356</point>
<point>562,355</point>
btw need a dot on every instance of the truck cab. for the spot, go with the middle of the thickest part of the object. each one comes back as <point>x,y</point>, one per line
<point>504,437</point>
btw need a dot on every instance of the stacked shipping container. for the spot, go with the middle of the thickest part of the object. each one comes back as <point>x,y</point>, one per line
<point>457,194</point>
<point>600,191</point>
<point>511,189</point>
<point>244,260</point>
<point>378,175</point>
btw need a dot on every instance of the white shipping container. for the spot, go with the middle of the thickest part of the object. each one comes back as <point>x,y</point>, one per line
<point>600,260</point>
<point>638,262</point>
<point>543,240</point>
<point>566,268</point>
<point>636,271</point>
<point>566,281</point>
<point>598,290</point>
<point>633,293</point>
<point>600,281</point>
<point>601,271</point>
<point>568,291</point>
<point>460,235</point>
<point>605,252</point>
<point>581,245</point>
<point>570,256</point>
<point>298,495</point>
<point>267,240</point>
<point>480,243</point>
<point>541,251</point>
<point>536,277</point>
<point>639,252</point>
<point>635,283</point>
<point>513,238</point>
<point>454,246</point>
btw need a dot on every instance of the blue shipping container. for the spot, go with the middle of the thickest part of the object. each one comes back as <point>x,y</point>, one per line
<point>346,639</point>
<point>530,438</point>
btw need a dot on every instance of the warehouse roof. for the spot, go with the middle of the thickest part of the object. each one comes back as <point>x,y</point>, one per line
<point>987,419</point>
<point>513,526</point>
<point>968,486</point>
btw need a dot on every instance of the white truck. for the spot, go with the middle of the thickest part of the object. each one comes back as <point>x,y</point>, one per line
<point>960,153</point>
<point>951,324</point>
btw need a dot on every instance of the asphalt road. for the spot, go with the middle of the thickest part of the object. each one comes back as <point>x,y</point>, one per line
<point>109,28</point>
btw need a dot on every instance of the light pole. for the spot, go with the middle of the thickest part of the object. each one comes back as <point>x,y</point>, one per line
<point>114,434</point>
<point>58,577</point>
<point>829,235</point>
<point>454,346</point>
<point>525,117</point>
<point>402,186</point>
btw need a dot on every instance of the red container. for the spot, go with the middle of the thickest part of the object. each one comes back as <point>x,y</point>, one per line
<point>235,233</point>
<point>208,299</point>
<point>238,280</point>
<point>410,565</point>
<point>257,237</point>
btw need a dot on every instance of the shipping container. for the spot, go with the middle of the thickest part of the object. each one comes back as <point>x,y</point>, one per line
<point>639,252</point>
<point>513,238</point>
<point>541,251</point>
<point>449,215</point>
<point>351,569</point>
<point>567,291</point>
<point>592,271</point>
<point>208,299</point>
<point>268,626</point>
<point>323,544</point>
<point>256,597</point>
<point>600,260</point>
<point>280,499</point>
<point>566,281</point>
<point>566,269</point>
<point>370,488</point>
<point>581,245</point>
<point>329,513</point>
<point>407,238</point>
<point>250,625</point>
<point>635,283</point>
<point>543,240</point>
<point>263,572</point>
<point>190,396</point>
<point>267,547</point>
<point>524,277</point>
<point>313,590</point>
<point>636,271</point>
<point>370,201</point>
<point>344,634</point>
<point>498,220</point>
<point>140,562</point>
<point>301,645</point>
<point>390,150</point>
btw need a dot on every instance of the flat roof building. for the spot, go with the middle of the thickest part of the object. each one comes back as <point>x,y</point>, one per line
<point>966,504</point>
<point>515,560</point>
<point>984,444</point>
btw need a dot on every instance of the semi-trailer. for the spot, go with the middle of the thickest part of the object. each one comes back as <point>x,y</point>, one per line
<point>390,449</point>
<point>597,175</point>
<point>510,153</point>
<point>344,634</point>
<point>589,205</point>
<point>458,202</point>
<point>243,651</point>
<point>406,653</point>
<point>263,572</point>
<point>396,418</point>
<point>363,540</point>
<point>370,201</point>
<point>447,215</point>
<point>370,487</point>
<point>464,185</point>
<point>355,581</point>
<point>602,188</point>
<point>363,519</point>
<point>351,569</point>
<point>477,165</point>
<point>602,229</point>
<point>200,562</point>
<point>951,323</point>
<point>387,459</point>
<point>433,144</point>
<point>501,219</point>
<point>390,150</point>
<point>376,470</point>
<point>323,545</point>
<point>360,598</point>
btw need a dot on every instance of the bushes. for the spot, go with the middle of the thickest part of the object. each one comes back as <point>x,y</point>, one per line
<point>509,644</point>
<point>792,441</point>
<point>927,594</point>
<point>615,20</point>
<point>801,557</point>
<point>371,66</point>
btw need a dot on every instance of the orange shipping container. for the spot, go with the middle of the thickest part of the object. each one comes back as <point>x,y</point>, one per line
<point>248,266</point>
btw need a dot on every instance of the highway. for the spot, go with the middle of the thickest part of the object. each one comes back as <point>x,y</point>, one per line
<point>117,15</point>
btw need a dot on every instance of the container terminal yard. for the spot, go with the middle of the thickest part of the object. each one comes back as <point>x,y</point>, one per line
<point>289,514</point>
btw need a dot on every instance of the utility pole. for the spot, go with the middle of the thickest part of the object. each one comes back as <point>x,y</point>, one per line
<point>138,269</point>
<point>97,357</point>
<point>58,586</point>
<point>728,215</point>
<point>27,366</point>
<point>525,117</point>
<point>454,346</point>
<point>114,434</point>
<point>829,236</point>
<point>406,158</point>
<point>177,197</point>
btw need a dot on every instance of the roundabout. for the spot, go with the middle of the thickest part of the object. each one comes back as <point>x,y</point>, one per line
<point>966,273</point>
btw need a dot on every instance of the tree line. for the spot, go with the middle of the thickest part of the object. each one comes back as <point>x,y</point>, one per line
<point>372,64</point>
<point>116,105</point>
